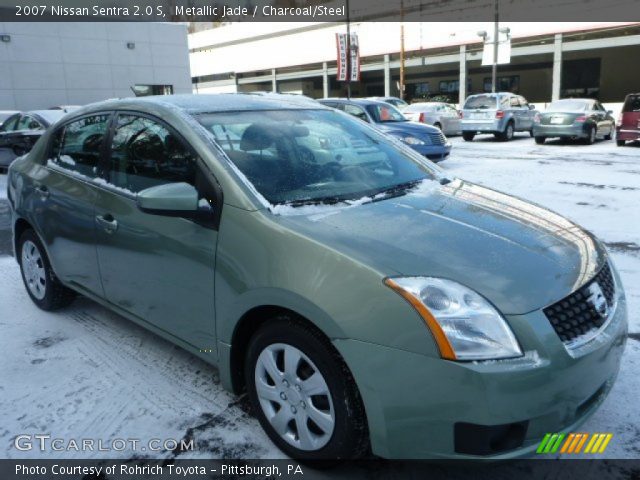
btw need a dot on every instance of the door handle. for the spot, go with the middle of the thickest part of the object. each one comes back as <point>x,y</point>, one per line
<point>43,191</point>
<point>107,222</point>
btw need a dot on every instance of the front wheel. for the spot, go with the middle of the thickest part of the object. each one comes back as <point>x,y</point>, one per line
<point>468,136</point>
<point>43,287</point>
<point>540,140</point>
<point>303,394</point>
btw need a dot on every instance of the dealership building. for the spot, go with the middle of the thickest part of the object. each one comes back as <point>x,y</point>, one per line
<point>547,60</point>
<point>47,64</point>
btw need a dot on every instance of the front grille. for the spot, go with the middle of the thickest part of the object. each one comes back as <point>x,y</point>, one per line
<point>577,314</point>
<point>436,138</point>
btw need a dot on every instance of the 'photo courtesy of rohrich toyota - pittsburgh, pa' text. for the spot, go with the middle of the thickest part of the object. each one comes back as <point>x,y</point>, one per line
<point>319,239</point>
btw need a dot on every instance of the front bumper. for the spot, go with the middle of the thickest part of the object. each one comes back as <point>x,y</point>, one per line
<point>434,153</point>
<point>550,131</point>
<point>413,402</point>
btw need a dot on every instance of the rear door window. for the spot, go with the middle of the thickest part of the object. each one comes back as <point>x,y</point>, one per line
<point>77,146</point>
<point>632,104</point>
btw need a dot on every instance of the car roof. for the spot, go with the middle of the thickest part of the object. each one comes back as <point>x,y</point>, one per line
<point>363,102</point>
<point>205,103</point>
<point>49,116</point>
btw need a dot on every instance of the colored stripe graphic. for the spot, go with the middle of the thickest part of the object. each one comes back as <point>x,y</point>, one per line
<point>573,443</point>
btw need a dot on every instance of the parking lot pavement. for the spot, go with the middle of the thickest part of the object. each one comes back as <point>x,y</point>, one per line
<point>86,372</point>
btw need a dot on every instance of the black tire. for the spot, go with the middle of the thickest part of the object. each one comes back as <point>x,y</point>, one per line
<point>620,143</point>
<point>468,136</point>
<point>608,136</point>
<point>350,438</point>
<point>591,136</point>
<point>507,134</point>
<point>540,140</point>
<point>438,126</point>
<point>55,295</point>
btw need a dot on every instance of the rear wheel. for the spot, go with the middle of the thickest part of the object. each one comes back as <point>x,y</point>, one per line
<point>620,143</point>
<point>507,134</point>
<point>303,393</point>
<point>468,136</point>
<point>438,125</point>
<point>540,140</point>
<point>43,287</point>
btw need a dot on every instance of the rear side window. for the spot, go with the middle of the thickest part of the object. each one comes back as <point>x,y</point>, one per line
<point>27,122</point>
<point>77,145</point>
<point>145,154</point>
<point>632,104</point>
<point>485,102</point>
<point>10,124</point>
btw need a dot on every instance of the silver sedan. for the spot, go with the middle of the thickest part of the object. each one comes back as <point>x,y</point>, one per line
<point>439,114</point>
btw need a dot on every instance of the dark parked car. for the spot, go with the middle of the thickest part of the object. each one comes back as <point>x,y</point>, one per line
<point>501,114</point>
<point>577,118</point>
<point>628,126</point>
<point>20,132</point>
<point>425,139</point>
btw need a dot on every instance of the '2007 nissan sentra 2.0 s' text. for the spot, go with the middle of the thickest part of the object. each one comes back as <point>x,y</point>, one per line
<point>363,299</point>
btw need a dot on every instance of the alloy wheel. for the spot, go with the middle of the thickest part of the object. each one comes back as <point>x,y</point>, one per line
<point>34,269</point>
<point>294,397</point>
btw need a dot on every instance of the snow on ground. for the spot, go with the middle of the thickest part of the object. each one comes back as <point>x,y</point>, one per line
<point>85,372</point>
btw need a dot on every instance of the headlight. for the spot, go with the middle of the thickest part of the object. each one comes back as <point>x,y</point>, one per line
<point>408,139</point>
<point>464,325</point>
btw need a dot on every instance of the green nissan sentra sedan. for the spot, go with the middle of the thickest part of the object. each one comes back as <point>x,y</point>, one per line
<point>365,300</point>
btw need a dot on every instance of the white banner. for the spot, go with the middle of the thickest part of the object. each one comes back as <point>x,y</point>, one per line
<point>341,44</point>
<point>504,50</point>
<point>355,58</point>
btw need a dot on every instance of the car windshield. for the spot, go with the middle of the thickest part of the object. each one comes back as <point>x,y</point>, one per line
<point>421,107</point>
<point>383,113</point>
<point>486,102</point>
<point>632,104</point>
<point>569,105</point>
<point>298,157</point>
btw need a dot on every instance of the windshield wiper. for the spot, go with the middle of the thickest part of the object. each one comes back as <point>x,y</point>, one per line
<point>397,190</point>
<point>312,201</point>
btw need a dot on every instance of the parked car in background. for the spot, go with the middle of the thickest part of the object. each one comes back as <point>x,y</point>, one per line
<point>395,101</point>
<point>628,125</point>
<point>20,132</point>
<point>5,114</point>
<point>575,118</point>
<point>366,302</point>
<point>501,114</point>
<point>438,114</point>
<point>426,140</point>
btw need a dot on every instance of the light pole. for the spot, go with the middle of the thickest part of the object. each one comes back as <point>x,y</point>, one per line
<point>496,33</point>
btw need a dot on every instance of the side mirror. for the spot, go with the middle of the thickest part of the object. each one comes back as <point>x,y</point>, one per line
<point>610,112</point>
<point>172,199</point>
<point>532,107</point>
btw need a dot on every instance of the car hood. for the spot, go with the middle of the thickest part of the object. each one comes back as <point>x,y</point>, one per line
<point>413,128</point>
<point>518,255</point>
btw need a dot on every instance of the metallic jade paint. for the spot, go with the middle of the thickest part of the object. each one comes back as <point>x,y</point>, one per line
<point>329,269</point>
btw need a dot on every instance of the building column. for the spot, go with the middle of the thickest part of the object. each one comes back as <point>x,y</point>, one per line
<point>557,68</point>
<point>274,81</point>
<point>325,80</point>
<point>387,77</point>
<point>462,84</point>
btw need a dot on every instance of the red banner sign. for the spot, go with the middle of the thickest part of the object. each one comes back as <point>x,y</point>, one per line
<point>341,43</point>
